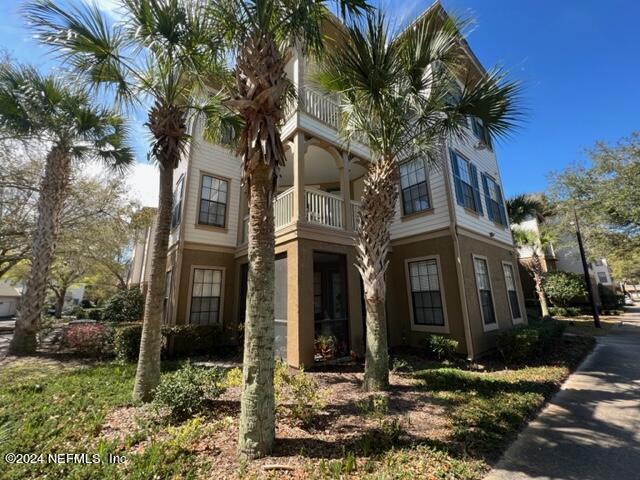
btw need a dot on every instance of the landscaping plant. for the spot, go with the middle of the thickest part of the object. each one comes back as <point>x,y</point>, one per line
<point>563,287</point>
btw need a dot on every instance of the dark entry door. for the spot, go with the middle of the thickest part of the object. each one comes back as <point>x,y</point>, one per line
<point>330,303</point>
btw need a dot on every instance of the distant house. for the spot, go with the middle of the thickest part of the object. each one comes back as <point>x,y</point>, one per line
<point>9,299</point>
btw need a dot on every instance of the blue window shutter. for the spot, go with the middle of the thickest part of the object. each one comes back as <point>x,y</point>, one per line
<point>456,177</point>
<point>501,210</point>
<point>476,187</point>
<point>487,197</point>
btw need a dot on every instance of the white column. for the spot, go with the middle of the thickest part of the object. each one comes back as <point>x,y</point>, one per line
<point>345,189</point>
<point>299,213</point>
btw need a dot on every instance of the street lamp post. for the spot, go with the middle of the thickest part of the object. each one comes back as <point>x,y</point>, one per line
<point>585,268</point>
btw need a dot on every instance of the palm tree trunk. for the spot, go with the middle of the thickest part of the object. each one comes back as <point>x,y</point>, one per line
<point>53,191</point>
<point>536,266</point>
<point>372,245</point>
<point>257,416</point>
<point>148,372</point>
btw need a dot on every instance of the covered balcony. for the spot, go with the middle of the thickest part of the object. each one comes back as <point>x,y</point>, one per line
<point>319,187</point>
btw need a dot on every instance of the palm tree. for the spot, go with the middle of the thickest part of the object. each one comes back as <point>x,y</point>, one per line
<point>62,118</point>
<point>164,53</point>
<point>523,206</point>
<point>397,93</point>
<point>520,208</point>
<point>261,33</point>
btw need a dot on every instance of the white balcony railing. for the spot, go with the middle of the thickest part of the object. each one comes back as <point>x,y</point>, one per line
<point>324,208</point>
<point>322,107</point>
<point>283,208</point>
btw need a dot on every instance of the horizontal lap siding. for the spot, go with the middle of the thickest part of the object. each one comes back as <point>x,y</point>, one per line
<point>178,172</point>
<point>215,160</point>
<point>435,220</point>
<point>486,162</point>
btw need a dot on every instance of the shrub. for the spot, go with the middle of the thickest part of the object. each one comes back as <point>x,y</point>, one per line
<point>558,311</point>
<point>563,287</point>
<point>94,314</point>
<point>517,344</point>
<point>185,391</point>
<point>574,311</point>
<point>124,306</point>
<point>89,339</point>
<point>549,334</point>
<point>78,312</point>
<point>306,397</point>
<point>326,346</point>
<point>442,348</point>
<point>126,341</point>
<point>191,339</point>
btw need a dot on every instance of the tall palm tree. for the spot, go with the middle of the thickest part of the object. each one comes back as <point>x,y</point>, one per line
<point>62,117</point>
<point>537,243</point>
<point>162,53</point>
<point>520,208</point>
<point>397,93</point>
<point>261,33</point>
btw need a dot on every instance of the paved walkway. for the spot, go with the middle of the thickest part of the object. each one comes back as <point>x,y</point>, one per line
<point>591,428</point>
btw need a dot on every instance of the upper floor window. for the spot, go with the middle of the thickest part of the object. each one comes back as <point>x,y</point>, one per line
<point>599,263</point>
<point>465,176</point>
<point>483,283</point>
<point>493,199</point>
<point>602,277</point>
<point>426,298</point>
<point>479,130</point>
<point>176,214</point>
<point>213,201</point>
<point>413,182</point>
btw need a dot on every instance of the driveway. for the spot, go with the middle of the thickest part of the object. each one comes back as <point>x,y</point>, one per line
<point>591,428</point>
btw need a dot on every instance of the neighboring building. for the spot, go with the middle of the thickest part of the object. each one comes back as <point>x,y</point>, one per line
<point>9,299</point>
<point>140,270</point>
<point>453,267</point>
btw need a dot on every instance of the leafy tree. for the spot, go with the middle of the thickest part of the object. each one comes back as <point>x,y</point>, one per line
<point>606,196</point>
<point>62,116</point>
<point>164,53</point>
<point>261,34</point>
<point>562,287</point>
<point>399,93</point>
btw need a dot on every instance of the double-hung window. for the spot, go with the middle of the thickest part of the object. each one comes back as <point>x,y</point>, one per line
<point>176,214</point>
<point>206,290</point>
<point>493,200</point>
<point>465,175</point>
<point>480,132</point>
<point>602,277</point>
<point>426,296</point>
<point>485,295</point>
<point>510,282</point>
<point>413,182</point>
<point>213,201</point>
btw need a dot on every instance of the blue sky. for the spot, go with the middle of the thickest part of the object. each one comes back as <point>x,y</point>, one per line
<point>578,59</point>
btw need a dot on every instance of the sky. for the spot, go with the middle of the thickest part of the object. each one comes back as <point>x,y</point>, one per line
<point>578,60</point>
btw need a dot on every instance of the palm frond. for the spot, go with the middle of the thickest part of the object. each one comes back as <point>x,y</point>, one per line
<point>521,207</point>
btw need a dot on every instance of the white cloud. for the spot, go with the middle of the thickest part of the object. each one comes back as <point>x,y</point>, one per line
<point>142,181</point>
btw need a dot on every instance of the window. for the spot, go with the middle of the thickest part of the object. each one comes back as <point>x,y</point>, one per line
<point>213,201</point>
<point>413,182</point>
<point>176,214</point>
<point>493,200</point>
<point>509,280</point>
<point>599,262</point>
<point>602,277</point>
<point>465,176</point>
<point>481,133</point>
<point>205,296</point>
<point>167,298</point>
<point>483,283</point>
<point>426,298</point>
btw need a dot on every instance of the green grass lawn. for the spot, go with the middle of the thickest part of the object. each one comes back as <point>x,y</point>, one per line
<point>48,409</point>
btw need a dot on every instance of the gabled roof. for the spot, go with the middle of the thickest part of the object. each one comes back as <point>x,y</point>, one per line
<point>8,290</point>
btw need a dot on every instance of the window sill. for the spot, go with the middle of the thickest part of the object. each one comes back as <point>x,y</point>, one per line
<point>411,216</point>
<point>517,321</point>
<point>430,328</point>
<point>213,228</point>
<point>499,225</point>
<point>490,327</point>
<point>472,212</point>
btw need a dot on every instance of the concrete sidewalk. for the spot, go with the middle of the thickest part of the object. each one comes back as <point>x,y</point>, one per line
<point>591,428</point>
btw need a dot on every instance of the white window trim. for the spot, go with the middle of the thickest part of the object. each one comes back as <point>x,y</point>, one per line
<point>491,326</point>
<point>189,298</point>
<point>426,328</point>
<point>514,320</point>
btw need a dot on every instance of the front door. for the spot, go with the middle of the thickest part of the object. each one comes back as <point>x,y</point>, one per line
<point>330,306</point>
